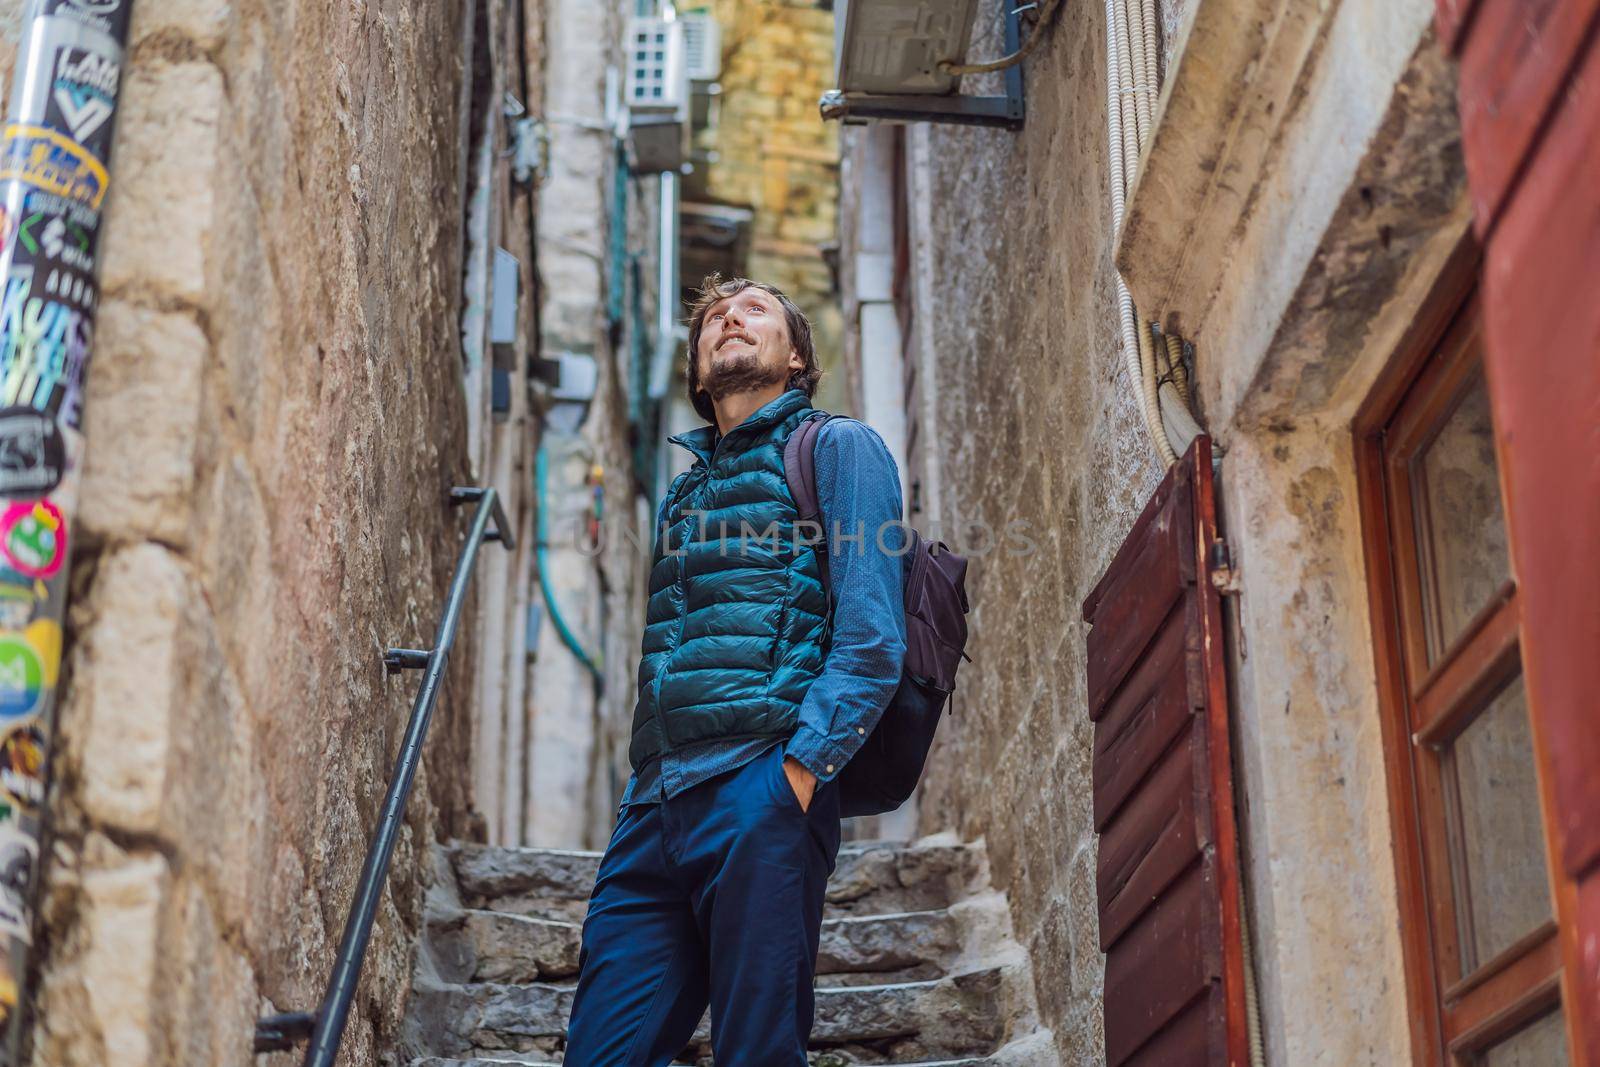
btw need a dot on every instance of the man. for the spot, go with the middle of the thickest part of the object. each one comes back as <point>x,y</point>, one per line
<point>754,692</point>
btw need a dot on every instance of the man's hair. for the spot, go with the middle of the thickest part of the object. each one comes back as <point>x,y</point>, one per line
<point>716,288</point>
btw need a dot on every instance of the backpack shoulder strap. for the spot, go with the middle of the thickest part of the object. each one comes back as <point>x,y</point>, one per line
<point>800,471</point>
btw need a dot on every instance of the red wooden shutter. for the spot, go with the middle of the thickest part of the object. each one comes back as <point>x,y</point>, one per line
<point>1168,875</point>
<point>1530,110</point>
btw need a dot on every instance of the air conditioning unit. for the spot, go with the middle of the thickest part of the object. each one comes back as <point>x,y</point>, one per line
<point>658,78</point>
<point>889,53</point>
<point>702,37</point>
<point>894,46</point>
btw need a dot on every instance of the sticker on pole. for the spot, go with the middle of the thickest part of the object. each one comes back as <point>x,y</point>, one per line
<point>22,756</point>
<point>18,852</point>
<point>21,678</point>
<point>33,455</point>
<point>33,538</point>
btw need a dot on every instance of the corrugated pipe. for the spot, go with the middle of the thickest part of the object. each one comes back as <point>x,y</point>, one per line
<point>1131,67</point>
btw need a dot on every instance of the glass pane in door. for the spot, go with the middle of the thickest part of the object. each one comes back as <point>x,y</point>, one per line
<point>1461,531</point>
<point>1542,1044</point>
<point>1497,839</point>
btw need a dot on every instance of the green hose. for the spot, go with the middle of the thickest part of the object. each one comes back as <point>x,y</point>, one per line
<point>568,638</point>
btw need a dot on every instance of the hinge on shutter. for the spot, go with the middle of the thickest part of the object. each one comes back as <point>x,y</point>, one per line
<point>1220,564</point>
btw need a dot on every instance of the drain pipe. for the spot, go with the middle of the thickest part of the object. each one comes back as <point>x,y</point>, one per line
<point>667,283</point>
<point>54,176</point>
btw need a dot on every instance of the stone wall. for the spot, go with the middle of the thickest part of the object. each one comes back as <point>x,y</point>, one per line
<point>1030,418</point>
<point>274,416</point>
<point>1354,203</point>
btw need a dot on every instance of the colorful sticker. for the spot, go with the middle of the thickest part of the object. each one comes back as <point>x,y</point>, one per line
<point>84,94</point>
<point>33,456</point>
<point>8,992</point>
<point>44,338</point>
<point>18,853</point>
<point>33,537</point>
<point>22,756</point>
<point>54,162</point>
<point>21,678</point>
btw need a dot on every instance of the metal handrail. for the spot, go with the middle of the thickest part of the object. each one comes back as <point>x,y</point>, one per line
<point>325,1028</point>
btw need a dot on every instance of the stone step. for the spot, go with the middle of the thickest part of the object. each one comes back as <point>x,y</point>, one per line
<point>492,946</point>
<point>946,1018</point>
<point>923,943</point>
<point>868,879</point>
<point>822,1059</point>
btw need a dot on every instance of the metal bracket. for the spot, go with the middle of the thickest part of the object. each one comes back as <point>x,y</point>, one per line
<point>1006,111</point>
<point>276,1033</point>
<point>396,660</point>
<point>1223,570</point>
<point>501,530</point>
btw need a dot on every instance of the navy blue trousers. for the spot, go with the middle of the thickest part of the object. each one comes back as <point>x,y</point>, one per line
<point>713,896</point>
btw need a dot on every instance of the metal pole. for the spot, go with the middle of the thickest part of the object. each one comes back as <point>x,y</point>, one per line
<point>55,154</point>
<point>330,1020</point>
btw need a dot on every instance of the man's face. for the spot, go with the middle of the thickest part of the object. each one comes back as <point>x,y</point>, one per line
<point>744,344</point>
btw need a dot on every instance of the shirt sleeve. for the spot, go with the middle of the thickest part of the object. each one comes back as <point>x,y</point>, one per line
<point>858,489</point>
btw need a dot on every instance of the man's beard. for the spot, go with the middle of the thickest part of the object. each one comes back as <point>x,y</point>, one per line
<point>741,374</point>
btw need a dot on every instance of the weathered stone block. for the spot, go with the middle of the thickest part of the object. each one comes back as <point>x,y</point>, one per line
<point>141,406</point>
<point>128,683</point>
<point>99,997</point>
<point>158,231</point>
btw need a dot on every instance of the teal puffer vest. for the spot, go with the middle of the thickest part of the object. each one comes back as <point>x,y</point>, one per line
<point>734,627</point>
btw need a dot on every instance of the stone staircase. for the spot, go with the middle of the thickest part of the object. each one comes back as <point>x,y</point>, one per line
<point>917,964</point>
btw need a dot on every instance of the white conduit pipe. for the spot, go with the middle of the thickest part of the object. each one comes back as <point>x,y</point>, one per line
<point>1122,117</point>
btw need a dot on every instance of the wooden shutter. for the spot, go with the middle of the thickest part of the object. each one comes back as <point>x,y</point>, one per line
<point>1168,876</point>
<point>1529,99</point>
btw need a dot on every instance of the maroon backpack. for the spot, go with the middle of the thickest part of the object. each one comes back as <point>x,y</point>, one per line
<point>883,773</point>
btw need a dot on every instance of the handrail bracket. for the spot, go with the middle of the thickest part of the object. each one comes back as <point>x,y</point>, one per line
<point>324,1030</point>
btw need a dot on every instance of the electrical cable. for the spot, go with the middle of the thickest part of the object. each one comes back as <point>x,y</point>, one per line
<point>1046,13</point>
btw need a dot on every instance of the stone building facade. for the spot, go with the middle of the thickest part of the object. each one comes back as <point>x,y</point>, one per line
<point>293,367</point>
<point>1300,218</point>
<point>768,153</point>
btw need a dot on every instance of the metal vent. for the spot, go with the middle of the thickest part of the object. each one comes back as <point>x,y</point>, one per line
<point>702,36</point>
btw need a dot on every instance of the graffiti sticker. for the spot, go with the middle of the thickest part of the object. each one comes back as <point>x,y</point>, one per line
<point>84,95</point>
<point>44,344</point>
<point>22,766</point>
<point>32,453</point>
<point>33,537</point>
<point>18,852</point>
<point>53,162</point>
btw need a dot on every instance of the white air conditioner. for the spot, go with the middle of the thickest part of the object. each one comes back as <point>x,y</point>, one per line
<point>702,36</point>
<point>658,79</point>
<point>894,46</point>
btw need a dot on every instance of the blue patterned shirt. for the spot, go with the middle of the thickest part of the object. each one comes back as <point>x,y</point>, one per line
<point>858,488</point>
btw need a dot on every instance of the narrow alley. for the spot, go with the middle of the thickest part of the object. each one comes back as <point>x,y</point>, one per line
<point>1208,682</point>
